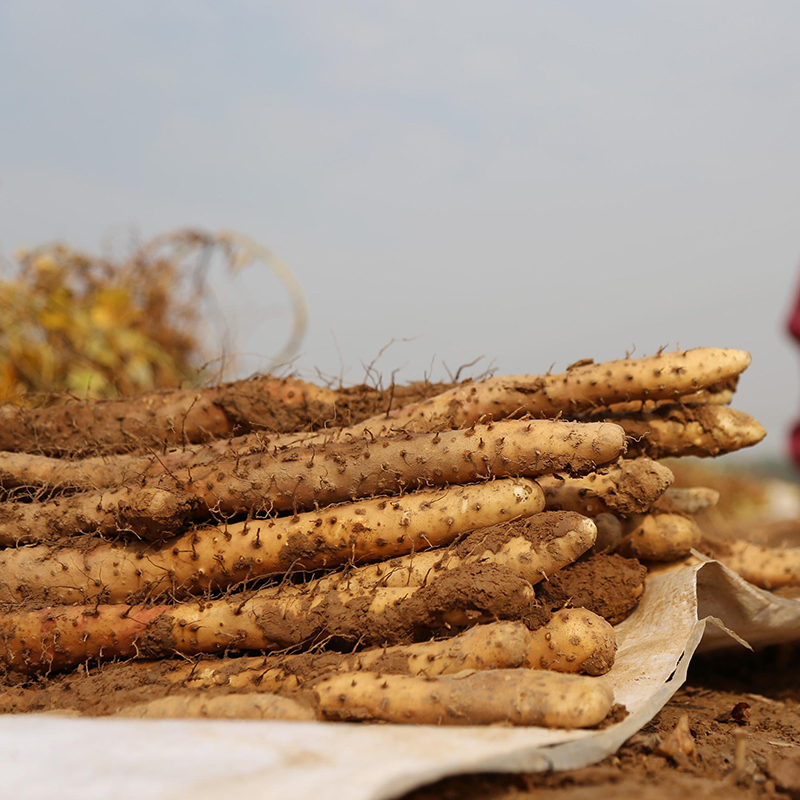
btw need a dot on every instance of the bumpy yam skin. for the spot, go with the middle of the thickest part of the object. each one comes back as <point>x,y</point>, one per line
<point>215,558</point>
<point>575,640</point>
<point>61,637</point>
<point>309,477</point>
<point>495,645</point>
<point>674,431</point>
<point>584,386</point>
<point>167,417</point>
<point>533,547</point>
<point>142,513</point>
<point>516,697</point>
<point>627,487</point>
<point>659,536</point>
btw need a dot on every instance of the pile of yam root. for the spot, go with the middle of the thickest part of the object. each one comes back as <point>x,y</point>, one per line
<point>435,554</point>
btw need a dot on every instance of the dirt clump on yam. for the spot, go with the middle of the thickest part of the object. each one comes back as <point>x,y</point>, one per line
<point>609,585</point>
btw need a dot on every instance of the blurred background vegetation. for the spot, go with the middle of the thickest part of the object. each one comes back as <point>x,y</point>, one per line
<point>91,326</point>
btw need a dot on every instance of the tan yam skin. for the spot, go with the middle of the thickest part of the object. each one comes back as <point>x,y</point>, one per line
<point>703,431</point>
<point>659,536</point>
<point>215,558</point>
<point>583,386</point>
<point>230,706</point>
<point>574,640</point>
<point>60,637</point>
<point>304,478</point>
<point>767,567</point>
<point>495,645</point>
<point>146,513</point>
<point>627,487</point>
<point>28,471</point>
<point>718,395</point>
<point>167,417</point>
<point>534,548</point>
<point>692,500</point>
<point>514,696</point>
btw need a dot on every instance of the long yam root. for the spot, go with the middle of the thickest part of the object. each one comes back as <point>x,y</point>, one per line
<point>675,431</point>
<point>215,558</point>
<point>228,706</point>
<point>629,486</point>
<point>60,637</point>
<point>304,478</point>
<point>516,697</point>
<point>582,387</point>
<point>146,513</point>
<point>533,547</point>
<point>495,645</point>
<point>659,536</point>
<point>167,417</point>
<point>767,567</point>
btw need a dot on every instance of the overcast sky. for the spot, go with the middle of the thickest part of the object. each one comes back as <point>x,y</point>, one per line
<point>532,182</point>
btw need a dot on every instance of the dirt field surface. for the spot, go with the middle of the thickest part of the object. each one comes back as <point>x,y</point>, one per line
<point>743,741</point>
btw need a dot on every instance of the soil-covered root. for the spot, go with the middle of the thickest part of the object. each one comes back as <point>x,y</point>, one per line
<point>142,513</point>
<point>627,487</point>
<point>767,567</point>
<point>215,558</point>
<point>659,536</point>
<point>31,474</point>
<point>533,547</point>
<point>60,637</point>
<point>511,697</point>
<point>574,640</point>
<point>310,477</point>
<point>156,419</point>
<point>674,431</point>
<point>609,585</point>
<point>691,500</point>
<point>228,706</point>
<point>495,645</point>
<point>584,386</point>
<point>103,690</point>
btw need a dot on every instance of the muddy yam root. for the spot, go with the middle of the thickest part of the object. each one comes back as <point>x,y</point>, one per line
<point>305,478</point>
<point>512,697</point>
<point>627,487</point>
<point>215,558</point>
<point>533,547</point>
<point>582,387</point>
<point>675,431</point>
<point>61,637</point>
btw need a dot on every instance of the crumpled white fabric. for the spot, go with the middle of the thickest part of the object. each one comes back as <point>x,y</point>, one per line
<point>703,606</point>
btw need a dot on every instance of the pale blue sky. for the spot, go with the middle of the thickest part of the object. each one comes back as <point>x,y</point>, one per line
<point>534,182</point>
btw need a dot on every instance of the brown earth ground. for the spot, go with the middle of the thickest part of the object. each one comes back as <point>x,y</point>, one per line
<point>734,699</point>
